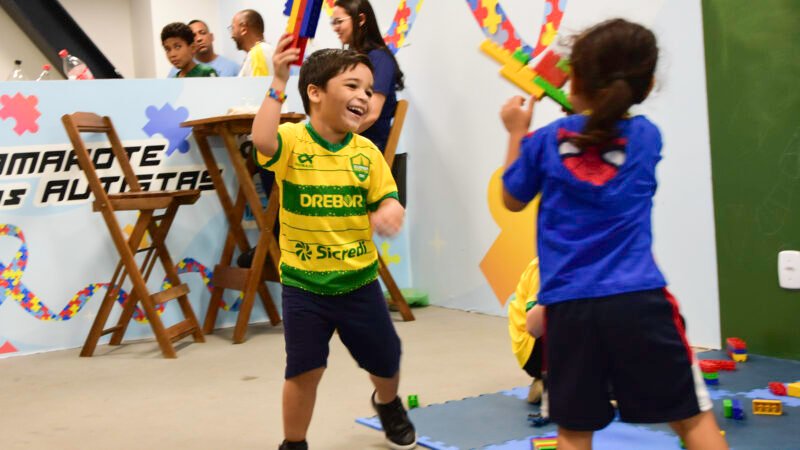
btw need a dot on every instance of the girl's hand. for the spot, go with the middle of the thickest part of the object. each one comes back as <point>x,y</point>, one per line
<point>516,116</point>
<point>284,56</point>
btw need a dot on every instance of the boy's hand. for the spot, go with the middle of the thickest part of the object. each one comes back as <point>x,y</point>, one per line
<point>388,219</point>
<point>516,116</point>
<point>284,56</point>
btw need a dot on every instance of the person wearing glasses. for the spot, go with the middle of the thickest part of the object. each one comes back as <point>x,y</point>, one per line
<point>355,23</point>
<point>247,30</point>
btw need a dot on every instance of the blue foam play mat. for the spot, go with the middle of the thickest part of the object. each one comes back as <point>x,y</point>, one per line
<point>499,421</point>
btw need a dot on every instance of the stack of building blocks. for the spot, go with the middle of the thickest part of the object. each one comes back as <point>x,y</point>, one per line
<point>546,78</point>
<point>302,24</point>
<point>794,389</point>
<point>544,443</point>
<point>767,407</point>
<point>710,374</point>
<point>737,349</point>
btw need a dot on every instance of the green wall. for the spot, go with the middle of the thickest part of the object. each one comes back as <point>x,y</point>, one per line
<point>753,80</point>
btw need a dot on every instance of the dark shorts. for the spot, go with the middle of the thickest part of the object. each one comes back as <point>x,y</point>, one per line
<point>535,362</point>
<point>633,342</point>
<point>362,319</point>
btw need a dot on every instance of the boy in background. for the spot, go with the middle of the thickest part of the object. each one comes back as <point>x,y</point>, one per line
<point>178,42</point>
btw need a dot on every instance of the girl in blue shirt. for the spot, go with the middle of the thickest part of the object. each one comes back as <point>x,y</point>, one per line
<point>609,318</point>
<point>355,23</point>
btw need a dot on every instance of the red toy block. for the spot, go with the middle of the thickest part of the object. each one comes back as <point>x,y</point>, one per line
<point>777,388</point>
<point>548,69</point>
<point>736,343</point>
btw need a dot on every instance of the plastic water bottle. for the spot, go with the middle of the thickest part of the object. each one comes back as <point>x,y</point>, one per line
<point>45,75</point>
<point>16,74</point>
<point>74,67</point>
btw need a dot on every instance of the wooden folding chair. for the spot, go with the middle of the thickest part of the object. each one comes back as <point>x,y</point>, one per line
<point>398,300</point>
<point>147,203</point>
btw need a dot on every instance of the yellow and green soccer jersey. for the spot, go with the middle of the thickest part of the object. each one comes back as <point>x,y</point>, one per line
<point>524,299</point>
<point>327,191</point>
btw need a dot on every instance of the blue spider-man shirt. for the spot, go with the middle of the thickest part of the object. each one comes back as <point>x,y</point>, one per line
<point>594,227</point>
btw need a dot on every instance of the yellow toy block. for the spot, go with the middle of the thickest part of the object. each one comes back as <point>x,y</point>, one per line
<point>739,357</point>
<point>767,407</point>
<point>522,76</point>
<point>793,389</point>
<point>497,52</point>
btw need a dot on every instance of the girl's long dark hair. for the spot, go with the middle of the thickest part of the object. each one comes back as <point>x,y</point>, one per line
<point>368,37</point>
<point>613,65</point>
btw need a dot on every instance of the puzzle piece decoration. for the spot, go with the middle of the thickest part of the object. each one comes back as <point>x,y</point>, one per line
<point>499,29</point>
<point>388,258</point>
<point>23,110</point>
<point>11,286</point>
<point>167,122</point>
<point>404,18</point>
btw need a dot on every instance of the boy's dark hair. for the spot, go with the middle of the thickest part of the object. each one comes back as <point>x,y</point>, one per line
<point>613,65</point>
<point>194,21</point>
<point>323,65</point>
<point>177,30</point>
<point>368,37</point>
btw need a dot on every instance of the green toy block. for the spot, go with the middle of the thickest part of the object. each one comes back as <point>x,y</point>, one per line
<point>563,64</point>
<point>413,402</point>
<point>521,56</point>
<point>553,92</point>
<point>711,376</point>
<point>727,408</point>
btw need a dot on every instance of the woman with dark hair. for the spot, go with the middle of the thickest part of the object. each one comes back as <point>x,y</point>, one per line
<point>355,23</point>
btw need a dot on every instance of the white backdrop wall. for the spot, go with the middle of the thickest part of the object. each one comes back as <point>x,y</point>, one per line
<point>455,140</point>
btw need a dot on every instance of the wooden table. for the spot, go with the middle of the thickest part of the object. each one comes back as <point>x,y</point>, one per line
<point>251,280</point>
<point>248,280</point>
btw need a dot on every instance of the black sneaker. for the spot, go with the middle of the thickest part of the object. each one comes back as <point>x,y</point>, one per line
<point>400,434</point>
<point>286,445</point>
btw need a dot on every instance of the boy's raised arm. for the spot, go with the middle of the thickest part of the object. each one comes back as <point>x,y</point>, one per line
<point>268,117</point>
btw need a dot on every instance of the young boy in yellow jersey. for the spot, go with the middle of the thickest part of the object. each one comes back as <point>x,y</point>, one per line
<point>336,189</point>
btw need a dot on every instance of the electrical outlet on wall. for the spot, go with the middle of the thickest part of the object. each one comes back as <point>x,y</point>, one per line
<point>789,269</point>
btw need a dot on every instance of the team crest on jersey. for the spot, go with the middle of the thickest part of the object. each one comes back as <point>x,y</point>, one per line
<point>360,165</point>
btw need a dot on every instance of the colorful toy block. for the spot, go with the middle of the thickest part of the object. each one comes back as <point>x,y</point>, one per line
<point>793,389</point>
<point>302,23</point>
<point>413,402</point>
<point>767,407</point>
<point>550,70</point>
<point>514,67</point>
<point>727,408</point>
<point>777,388</point>
<point>717,364</point>
<point>544,443</point>
<point>711,378</point>
<point>737,349</point>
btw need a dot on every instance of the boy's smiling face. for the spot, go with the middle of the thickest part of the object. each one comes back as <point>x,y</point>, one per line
<point>344,102</point>
<point>179,53</point>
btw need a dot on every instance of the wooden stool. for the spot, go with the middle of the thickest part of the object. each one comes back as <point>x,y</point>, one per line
<point>156,225</point>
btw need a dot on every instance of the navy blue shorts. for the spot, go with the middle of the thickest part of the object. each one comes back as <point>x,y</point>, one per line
<point>633,342</point>
<point>362,319</point>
